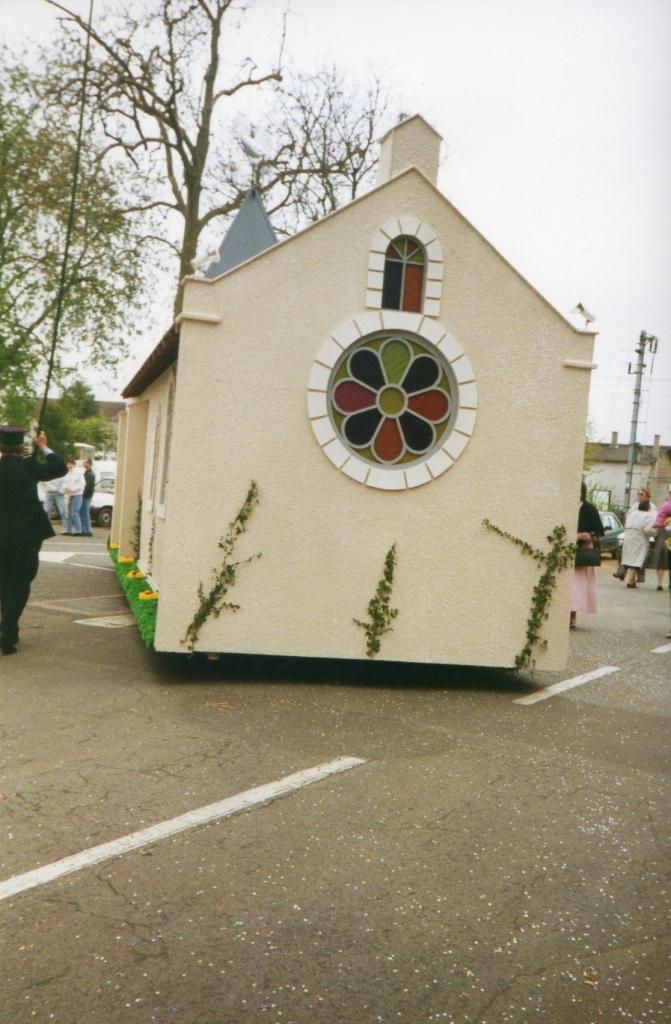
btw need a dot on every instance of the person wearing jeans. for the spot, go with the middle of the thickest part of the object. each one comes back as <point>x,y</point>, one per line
<point>89,487</point>
<point>53,495</point>
<point>73,485</point>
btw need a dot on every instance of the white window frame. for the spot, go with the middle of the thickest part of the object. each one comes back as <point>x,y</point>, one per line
<point>392,478</point>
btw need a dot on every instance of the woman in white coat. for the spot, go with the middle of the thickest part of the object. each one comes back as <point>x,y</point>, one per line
<point>637,532</point>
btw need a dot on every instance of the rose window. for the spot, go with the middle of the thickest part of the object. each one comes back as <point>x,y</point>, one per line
<point>391,399</point>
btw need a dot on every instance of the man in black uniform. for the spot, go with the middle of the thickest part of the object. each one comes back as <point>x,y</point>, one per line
<point>23,525</point>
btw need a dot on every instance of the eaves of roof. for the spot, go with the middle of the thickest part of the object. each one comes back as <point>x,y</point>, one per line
<point>156,363</point>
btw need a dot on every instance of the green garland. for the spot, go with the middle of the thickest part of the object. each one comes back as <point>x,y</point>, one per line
<point>144,611</point>
<point>137,528</point>
<point>381,615</point>
<point>213,603</point>
<point>150,546</point>
<point>560,556</point>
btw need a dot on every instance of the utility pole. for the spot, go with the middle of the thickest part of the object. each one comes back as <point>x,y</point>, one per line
<point>645,341</point>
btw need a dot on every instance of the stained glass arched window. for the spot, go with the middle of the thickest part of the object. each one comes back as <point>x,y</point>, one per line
<point>403,284</point>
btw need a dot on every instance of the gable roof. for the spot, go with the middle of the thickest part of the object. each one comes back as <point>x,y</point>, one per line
<point>315,225</point>
<point>156,363</point>
<point>250,234</point>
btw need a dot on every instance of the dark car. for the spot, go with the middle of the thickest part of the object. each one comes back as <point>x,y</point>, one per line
<point>614,529</point>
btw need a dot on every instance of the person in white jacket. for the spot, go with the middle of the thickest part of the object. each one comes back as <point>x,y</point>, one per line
<point>72,485</point>
<point>637,532</point>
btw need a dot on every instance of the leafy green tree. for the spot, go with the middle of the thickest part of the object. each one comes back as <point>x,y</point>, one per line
<point>79,400</point>
<point>95,430</point>
<point>106,279</point>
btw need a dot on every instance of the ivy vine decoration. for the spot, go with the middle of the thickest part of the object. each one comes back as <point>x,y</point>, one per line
<point>379,610</point>
<point>213,602</point>
<point>137,528</point>
<point>150,546</point>
<point>560,556</point>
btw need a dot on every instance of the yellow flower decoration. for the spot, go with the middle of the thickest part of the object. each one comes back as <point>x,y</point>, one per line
<point>135,574</point>
<point>148,595</point>
<point>125,559</point>
<point>114,547</point>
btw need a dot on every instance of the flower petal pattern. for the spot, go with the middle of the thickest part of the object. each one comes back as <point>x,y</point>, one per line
<point>419,435</point>
<point>360,427</point>
<point>350,396</point>
<point>432,405</point>
<point>388,444</point>
<point>364,365</point>
<point>424,372</point>
<point>391,399</point>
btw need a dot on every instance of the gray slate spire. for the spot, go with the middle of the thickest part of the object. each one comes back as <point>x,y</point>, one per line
<point>250,233</point>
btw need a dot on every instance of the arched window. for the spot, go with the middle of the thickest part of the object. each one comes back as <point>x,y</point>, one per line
<point>403,284</point>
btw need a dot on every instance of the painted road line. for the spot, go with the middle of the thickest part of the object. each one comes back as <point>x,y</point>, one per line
<point>192,819</point>
<point>664,649</point>
<point>567,684</point>
<point>98,568</point>
<point>108,621</point>
<point>55,556</point>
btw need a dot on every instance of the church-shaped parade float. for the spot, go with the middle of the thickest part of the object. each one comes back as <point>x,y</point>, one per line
<point>363,440</point>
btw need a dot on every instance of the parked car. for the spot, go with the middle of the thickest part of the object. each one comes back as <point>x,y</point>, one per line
<point>102,503</point>
<point>614,531</point>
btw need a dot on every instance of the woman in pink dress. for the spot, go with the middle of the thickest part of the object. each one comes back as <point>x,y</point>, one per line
<point>590,528</point>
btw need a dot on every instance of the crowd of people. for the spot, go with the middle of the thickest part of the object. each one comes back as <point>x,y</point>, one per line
<point>71,495</point>
<point>644,520</point>
<point>25,523</point>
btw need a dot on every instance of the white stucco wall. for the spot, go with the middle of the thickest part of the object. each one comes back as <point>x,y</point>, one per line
<point>463,594</point>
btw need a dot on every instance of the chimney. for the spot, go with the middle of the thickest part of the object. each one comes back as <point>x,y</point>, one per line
<point>613,439</point>
<point>412,143</point>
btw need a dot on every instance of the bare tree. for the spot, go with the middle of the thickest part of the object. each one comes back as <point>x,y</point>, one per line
<point>163,95</point>
<point>323,132</point>
<point>157,80</point>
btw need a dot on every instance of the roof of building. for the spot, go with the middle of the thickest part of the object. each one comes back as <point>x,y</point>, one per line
<point>645,453</point>
<point>252,217</point>
<point>163,356</point>
<point>250,233</point>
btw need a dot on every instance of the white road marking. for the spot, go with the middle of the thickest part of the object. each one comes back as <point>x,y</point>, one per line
<point>98,568</point>
<point>62,558</point>
<point>202,816</point>
<point>108,621</point>
<point>567,684</point>
<point>664,649</point>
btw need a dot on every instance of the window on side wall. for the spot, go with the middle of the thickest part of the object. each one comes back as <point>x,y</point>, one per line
<point>154,460</point>
<point>403,284</point>
<point>166,449</point>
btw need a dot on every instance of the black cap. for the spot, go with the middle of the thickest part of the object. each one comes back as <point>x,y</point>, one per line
<point>11,439</point>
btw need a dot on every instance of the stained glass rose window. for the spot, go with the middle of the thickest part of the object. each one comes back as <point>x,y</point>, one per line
<point>391,399</point>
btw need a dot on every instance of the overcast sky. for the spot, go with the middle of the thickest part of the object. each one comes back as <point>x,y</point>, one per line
<point>556,117</point>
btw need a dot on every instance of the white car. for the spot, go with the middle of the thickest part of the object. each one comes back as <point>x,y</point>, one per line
<point>102,502</point>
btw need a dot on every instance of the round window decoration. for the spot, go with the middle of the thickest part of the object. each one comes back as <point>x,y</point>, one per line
<point>391,399</point>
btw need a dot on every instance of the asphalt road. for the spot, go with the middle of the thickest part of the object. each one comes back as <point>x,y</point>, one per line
<point>489,861</point>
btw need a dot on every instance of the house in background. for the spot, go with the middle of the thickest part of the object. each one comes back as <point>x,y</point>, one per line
<point>606,472</point>
<point>386,377</point>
